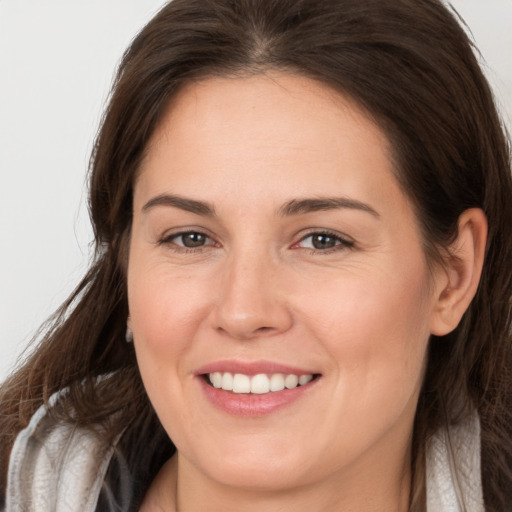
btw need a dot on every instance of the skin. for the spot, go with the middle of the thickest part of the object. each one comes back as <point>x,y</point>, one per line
<point>359,313</point>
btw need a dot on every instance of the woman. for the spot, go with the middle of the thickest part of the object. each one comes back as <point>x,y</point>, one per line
<point>301,292</point>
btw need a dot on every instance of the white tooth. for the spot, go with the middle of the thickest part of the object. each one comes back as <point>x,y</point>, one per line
<point>227,382</point>
<point>260,384</point>
<point>277,382</point>
<point>216,379</point>
<point>241,383</point>
<point>304,379</point>
<point>291,381</point>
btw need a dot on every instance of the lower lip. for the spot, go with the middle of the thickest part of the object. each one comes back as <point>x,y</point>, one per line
<point>251,404</point>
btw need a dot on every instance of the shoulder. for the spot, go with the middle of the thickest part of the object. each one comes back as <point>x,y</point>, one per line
<point>56,465</point>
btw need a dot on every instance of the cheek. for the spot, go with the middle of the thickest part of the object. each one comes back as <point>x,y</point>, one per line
<point>376,331</point>
<point>163,308</point>
<point>165,312</point>
<point>376,336</point>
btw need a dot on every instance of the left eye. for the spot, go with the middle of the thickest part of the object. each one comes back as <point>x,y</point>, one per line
<point>190,239</point>
<point>323,241</point>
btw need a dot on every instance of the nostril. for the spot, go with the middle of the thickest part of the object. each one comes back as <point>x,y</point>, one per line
<point>263,329</point>
<point>244,320</point>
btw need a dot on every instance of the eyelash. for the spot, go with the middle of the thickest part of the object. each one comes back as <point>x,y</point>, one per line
<point>169,241</point>
<point>340,242</point>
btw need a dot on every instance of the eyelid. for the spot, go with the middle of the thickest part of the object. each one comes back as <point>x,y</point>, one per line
<point>345,242</point>
<point>169,236</point>
<point>167,239</point>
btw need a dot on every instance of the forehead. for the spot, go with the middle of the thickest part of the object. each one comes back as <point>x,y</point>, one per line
<point>265,133</point>
<point>269,105</point>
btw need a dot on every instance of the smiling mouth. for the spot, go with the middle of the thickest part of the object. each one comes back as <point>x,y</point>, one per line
<point>259,384</point>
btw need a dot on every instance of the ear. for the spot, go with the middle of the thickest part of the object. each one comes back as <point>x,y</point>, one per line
<point>129,333</point>
<point>457,281</point>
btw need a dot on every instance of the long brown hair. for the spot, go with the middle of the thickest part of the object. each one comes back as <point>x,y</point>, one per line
<point>410,64</point>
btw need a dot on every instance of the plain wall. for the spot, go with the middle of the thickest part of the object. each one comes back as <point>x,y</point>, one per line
<point>57,60</point>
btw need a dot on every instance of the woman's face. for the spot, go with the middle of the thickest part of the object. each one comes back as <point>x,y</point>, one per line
<point>270,238</point>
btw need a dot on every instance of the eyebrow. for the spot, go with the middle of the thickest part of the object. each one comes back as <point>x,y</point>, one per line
<point>189,205</point>
<point>309,205</point>
<point>293,207</point>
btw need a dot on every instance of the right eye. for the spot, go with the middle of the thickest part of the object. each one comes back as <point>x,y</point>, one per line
<point>188,240</point>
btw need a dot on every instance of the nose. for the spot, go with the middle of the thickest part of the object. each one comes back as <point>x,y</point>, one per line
<point>251,302</point>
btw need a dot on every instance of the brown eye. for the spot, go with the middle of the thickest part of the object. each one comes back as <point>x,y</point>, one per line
<point>321,241</point>
<point>192,239</point>
<point>187,240</point>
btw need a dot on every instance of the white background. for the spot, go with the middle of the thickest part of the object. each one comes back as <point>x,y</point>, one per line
<point>57,59</point>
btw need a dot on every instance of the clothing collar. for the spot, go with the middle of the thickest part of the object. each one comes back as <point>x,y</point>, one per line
<point>454,481</point>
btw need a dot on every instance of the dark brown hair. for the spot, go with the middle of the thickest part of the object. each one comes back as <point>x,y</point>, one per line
<point>410,64</point>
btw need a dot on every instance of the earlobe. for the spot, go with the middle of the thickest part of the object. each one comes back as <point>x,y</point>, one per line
<point>129,333</point>
<point>461,271</point>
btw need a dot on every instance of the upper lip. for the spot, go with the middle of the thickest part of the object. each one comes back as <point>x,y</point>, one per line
<point>252,368</point>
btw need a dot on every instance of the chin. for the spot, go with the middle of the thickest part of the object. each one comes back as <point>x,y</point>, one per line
<point>258,467</point>
<point>267,475</point>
